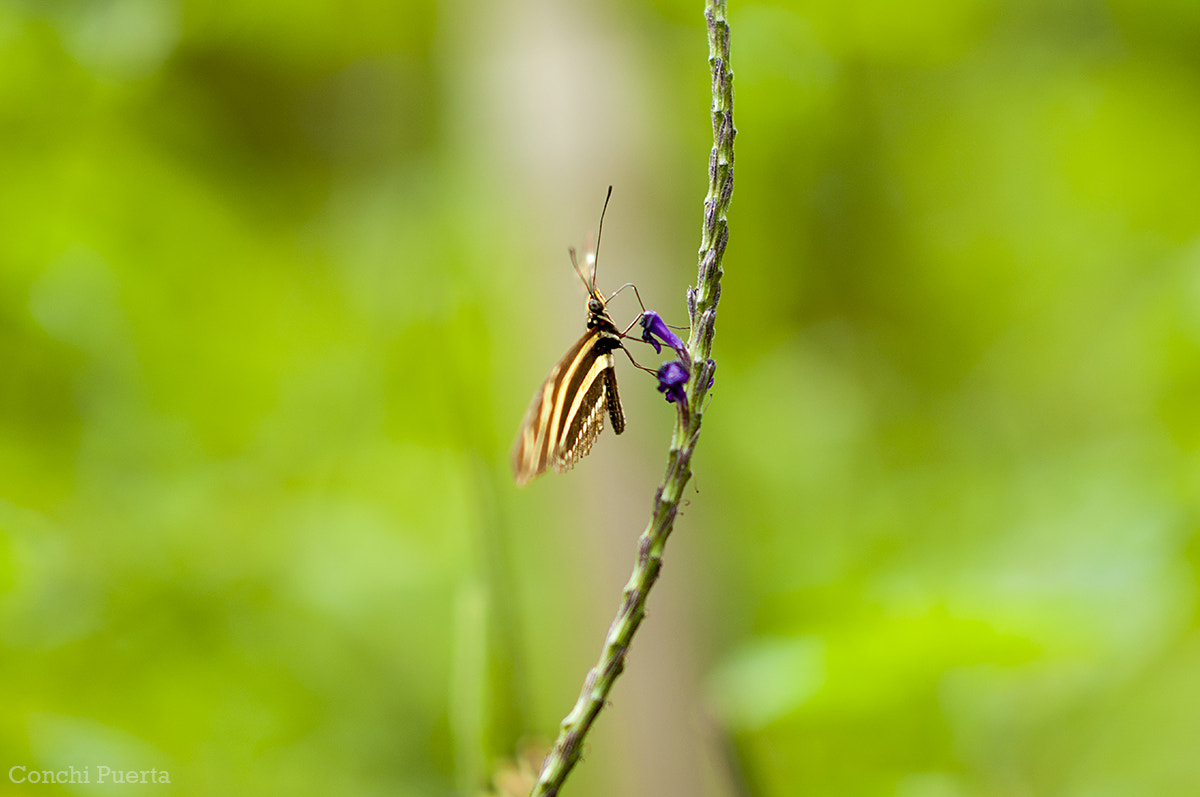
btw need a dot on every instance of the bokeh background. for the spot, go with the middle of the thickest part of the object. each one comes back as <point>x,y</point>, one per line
<point>277,280</point>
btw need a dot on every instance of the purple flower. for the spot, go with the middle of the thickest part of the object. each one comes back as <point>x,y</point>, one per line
<point>654,327</point>
<point>672,376</point>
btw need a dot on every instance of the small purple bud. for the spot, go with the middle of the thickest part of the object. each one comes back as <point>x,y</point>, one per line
<point>654,327</point>
<point>672,376</point>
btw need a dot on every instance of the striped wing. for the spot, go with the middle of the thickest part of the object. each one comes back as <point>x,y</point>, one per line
<point>567,413</point>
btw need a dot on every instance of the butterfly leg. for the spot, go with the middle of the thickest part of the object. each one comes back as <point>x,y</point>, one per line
<point>637,364</point>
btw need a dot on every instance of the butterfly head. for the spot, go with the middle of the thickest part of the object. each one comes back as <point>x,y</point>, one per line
<point>597,314</point>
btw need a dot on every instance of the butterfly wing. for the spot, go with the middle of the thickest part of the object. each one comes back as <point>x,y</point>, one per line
<point>587,421</point>
<point>567,412</point>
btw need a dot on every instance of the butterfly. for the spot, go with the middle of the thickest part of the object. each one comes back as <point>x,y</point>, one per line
<point>567,412</point>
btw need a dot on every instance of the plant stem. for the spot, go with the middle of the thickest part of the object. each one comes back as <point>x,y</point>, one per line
<point>702,308</point>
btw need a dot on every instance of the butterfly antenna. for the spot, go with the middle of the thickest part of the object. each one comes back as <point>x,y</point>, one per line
<point>578,270</point>
<point>599,231</point>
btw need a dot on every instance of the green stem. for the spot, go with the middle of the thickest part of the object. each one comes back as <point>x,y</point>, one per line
<point>702,307</point>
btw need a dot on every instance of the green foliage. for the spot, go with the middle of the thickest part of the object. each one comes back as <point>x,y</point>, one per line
<point>276,282</point>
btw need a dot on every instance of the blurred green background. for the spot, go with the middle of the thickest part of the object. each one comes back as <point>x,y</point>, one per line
<point>278,279</point>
